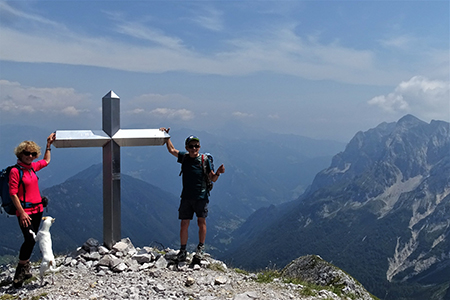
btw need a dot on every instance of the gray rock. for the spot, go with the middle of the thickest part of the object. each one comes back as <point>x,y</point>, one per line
<point>246,296</point>
<point>106,260</point>
<point>220,280</point>
<point>91,244</point>
<point>120,267</point>
<point>103,250</point>
<point>113,277</point>
<point>143,258</point>
<point>189,281</point>
<point>161,263</point>
<point>95,256</point>
<point>159,288</point>
<point>313,269</point>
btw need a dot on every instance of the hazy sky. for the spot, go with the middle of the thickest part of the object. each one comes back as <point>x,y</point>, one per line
<point>322,69</point>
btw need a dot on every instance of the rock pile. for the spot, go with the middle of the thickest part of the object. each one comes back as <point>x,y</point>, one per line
<point>126,272</point>
<point>313,269</point>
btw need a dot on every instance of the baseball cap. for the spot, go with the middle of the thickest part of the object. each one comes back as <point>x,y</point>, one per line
<point>190,139</point>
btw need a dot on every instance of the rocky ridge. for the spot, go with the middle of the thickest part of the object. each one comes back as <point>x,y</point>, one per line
<point>379,212</point>
<point>127,272</point>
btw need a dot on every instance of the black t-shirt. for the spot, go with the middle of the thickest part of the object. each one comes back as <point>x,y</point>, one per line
<point>194,185</point>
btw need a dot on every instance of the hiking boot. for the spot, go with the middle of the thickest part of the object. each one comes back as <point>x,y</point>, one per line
<point>182,255</point>
<point>27,270</point>
<point>200,251</point>
<point>19,276</point>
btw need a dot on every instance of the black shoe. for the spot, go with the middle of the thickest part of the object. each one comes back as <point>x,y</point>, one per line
<point>27,270</point>
<point>19,276</point>
<point>182,255</point>
<point>200,251</point>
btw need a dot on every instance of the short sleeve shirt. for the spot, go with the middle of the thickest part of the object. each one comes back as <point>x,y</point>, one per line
<point>194,184</point>
<point>30,181</point>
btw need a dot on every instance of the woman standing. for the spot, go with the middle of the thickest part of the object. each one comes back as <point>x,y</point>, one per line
<point>27,199</point>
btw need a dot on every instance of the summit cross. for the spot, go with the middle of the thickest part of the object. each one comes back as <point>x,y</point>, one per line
<point>111,138</point>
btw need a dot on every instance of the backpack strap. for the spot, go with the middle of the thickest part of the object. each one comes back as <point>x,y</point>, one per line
<point>182,161</point>
<point>23,202</point>
<point>20,170</point>
<point>204,165</point>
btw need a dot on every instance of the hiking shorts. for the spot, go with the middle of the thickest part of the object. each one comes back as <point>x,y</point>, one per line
<point>189,206</point>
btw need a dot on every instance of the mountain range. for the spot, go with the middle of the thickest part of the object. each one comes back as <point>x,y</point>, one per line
<point>244,156</point>
<point>379,211</point>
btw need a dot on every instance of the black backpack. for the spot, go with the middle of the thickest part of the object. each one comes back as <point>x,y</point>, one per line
<point>7,203</point>
<point>209,183</point>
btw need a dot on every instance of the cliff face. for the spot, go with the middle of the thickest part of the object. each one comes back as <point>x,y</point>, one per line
<point>399,171</point>
<point>380,212</point>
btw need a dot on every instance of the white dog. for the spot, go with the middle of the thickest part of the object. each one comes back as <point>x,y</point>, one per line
<point>44,239</point>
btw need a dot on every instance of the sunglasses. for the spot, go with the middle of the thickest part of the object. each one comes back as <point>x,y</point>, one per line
<point>26,153</point>
<point>193,146</point>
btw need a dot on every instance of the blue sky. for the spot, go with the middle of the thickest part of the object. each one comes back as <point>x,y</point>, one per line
<point>322,69</point>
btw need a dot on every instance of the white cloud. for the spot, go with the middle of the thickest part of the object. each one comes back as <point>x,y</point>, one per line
<point>240,114</point>
<point>400,42</point>
<point>150,34</point>
<point>64,108</point>
<point>17,99</point>
<point>136,111</point>
<point>209,18</point>
<point>420,96</point>
<point>273,116</point>
<point>160,113</point>
<point>71,111</point>
<point>15,13</point>
<point>152,99</point>
<point>168,106</point>
<point>279,50</point>
<point>173,114</point>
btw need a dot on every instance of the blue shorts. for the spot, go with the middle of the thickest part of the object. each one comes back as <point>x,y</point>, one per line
<point>189,206</point>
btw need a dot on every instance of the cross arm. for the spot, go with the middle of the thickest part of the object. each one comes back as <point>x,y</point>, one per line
<point>80,138</point>
<point>140,137</point>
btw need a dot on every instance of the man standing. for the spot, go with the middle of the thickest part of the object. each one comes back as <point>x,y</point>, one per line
<point>194,197</point>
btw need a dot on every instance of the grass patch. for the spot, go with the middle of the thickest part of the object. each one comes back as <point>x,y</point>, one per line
<point>308,291</point>
<point>43,295</point>
<point>267,276</point>
<point>8,297</point>
<point>240,271</point>
<point>217,267</point>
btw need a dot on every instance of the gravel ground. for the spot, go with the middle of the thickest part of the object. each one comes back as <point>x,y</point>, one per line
<point>215,281</point>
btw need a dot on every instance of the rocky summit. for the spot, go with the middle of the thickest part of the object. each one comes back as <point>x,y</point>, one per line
<point>129,272</point>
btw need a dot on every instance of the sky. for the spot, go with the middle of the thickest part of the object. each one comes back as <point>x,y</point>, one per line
<point>320,69</point>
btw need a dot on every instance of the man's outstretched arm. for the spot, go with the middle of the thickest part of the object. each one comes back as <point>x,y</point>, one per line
<point>170,146</point>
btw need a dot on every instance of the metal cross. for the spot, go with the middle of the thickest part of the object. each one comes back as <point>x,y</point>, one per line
<point>111,138</point>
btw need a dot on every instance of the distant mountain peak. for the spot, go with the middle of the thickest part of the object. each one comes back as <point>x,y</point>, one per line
<point>410,119</point>
<point>379,211</point>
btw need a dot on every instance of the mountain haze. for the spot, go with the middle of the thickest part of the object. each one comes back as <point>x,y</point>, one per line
<point>149,214</point>
<point>379,212</point>
<point>282,178</point>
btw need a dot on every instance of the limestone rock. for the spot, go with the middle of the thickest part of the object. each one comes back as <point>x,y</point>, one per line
<point>313,269</point>
<point>126,272</point>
